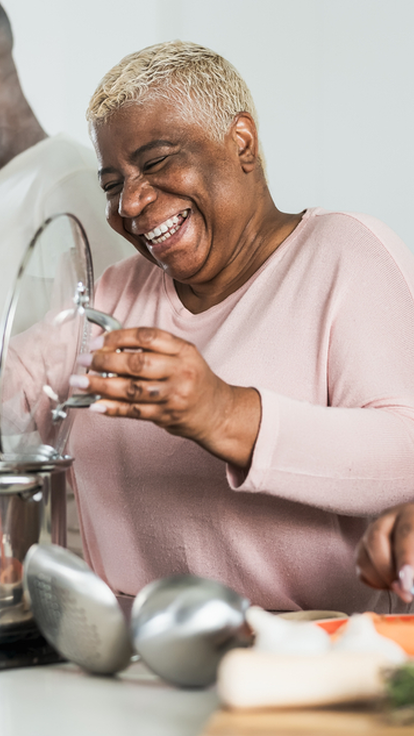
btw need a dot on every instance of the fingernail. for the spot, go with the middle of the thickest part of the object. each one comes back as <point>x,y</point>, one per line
<point>406,578</point>
<point>99,408</point>
<point>85,359</point>
<point>79,381</point>
<point>397,588</point>
<point>97,343</point>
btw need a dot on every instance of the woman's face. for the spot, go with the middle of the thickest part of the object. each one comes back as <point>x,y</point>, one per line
<point>179,197</point>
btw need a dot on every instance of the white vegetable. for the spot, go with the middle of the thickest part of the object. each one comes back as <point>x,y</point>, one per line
<point>278,635</point>
<point>360,635</point>
<point>252,679</point>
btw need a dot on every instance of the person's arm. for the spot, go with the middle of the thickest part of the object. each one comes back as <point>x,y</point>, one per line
<point>346,460</point>
<point>385,554</point>
<point>350,461</point>
<point>353,455</point>
<point>164,379</point>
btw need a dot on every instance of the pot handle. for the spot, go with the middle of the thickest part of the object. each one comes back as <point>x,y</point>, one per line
<point>106,321</point>
<point>19,483</point>
<point>79,401</point>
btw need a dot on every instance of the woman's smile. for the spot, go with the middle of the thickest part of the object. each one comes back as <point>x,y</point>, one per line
<point>162,246</point>
<point>166,229</point>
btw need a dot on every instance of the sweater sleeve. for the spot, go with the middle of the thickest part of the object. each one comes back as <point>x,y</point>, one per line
<point>354,455</point>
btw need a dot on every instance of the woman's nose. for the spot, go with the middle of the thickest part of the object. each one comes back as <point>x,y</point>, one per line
<point>135,197</point>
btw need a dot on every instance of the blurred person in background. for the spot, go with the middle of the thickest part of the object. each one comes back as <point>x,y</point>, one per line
<point>41,176</point>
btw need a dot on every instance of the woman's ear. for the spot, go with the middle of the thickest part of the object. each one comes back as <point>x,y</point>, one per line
<point>244,133</point>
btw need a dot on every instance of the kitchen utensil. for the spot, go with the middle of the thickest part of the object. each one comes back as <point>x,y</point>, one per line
<point>183,625</point>
<point>75,610</point>
<point>194,620</point>
<point>45,327</point>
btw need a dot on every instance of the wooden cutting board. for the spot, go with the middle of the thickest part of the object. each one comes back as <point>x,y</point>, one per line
<point>341,721</point>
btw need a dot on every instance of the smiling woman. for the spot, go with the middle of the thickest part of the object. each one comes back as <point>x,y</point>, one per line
<point>155,167</point>
<point>260,402</point>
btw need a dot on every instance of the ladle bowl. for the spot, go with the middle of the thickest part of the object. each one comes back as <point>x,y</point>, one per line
<point>183,625</point>
<point>75,610</point>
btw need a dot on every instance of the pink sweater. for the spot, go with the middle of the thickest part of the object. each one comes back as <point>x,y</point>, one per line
<point>325,331</point>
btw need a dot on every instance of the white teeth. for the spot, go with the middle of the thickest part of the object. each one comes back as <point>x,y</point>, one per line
<point>167,228</point>
<point>167,235</point>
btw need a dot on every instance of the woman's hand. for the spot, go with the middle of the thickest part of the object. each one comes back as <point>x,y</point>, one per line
<point>163,379</point>
<point>385,554</point>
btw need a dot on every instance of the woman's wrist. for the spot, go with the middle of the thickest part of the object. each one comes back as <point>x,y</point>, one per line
<point>235,432</point>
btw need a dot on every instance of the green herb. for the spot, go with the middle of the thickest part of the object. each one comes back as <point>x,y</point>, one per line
<point>399,684</point>
<point>399,688</point>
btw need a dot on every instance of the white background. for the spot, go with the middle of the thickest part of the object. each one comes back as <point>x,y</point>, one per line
<point>333,82</point>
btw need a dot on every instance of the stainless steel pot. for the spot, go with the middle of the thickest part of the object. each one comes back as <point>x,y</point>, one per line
<point>32,509</point>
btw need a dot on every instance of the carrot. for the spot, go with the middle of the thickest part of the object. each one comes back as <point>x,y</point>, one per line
<point>398,628</point>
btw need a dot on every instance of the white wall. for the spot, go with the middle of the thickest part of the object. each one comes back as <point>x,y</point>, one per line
<point>333,81</point>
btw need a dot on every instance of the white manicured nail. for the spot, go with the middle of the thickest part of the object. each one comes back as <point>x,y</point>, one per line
<point>85,359</point>
<point>406,578</point>
<point>79,381</point>
<point>97,343</point>
<point>99,408</point>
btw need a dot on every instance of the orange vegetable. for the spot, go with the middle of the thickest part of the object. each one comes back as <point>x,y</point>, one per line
<point>398,628</point>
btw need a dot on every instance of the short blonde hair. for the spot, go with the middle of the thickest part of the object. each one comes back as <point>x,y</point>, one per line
<point>207,87</point>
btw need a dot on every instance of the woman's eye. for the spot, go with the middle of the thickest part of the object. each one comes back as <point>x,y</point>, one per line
<point>153,164</point>
<point>110,186</point>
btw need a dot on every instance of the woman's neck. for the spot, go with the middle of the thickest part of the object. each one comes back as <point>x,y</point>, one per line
<point>254,251</point>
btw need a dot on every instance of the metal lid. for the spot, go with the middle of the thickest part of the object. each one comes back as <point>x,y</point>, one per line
<point>44,330</point>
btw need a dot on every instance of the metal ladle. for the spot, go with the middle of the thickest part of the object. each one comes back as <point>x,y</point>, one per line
<point>183,625</point>
<point>75,610</point>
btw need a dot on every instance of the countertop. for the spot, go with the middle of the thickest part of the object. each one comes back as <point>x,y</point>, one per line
<point>61,699</point>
